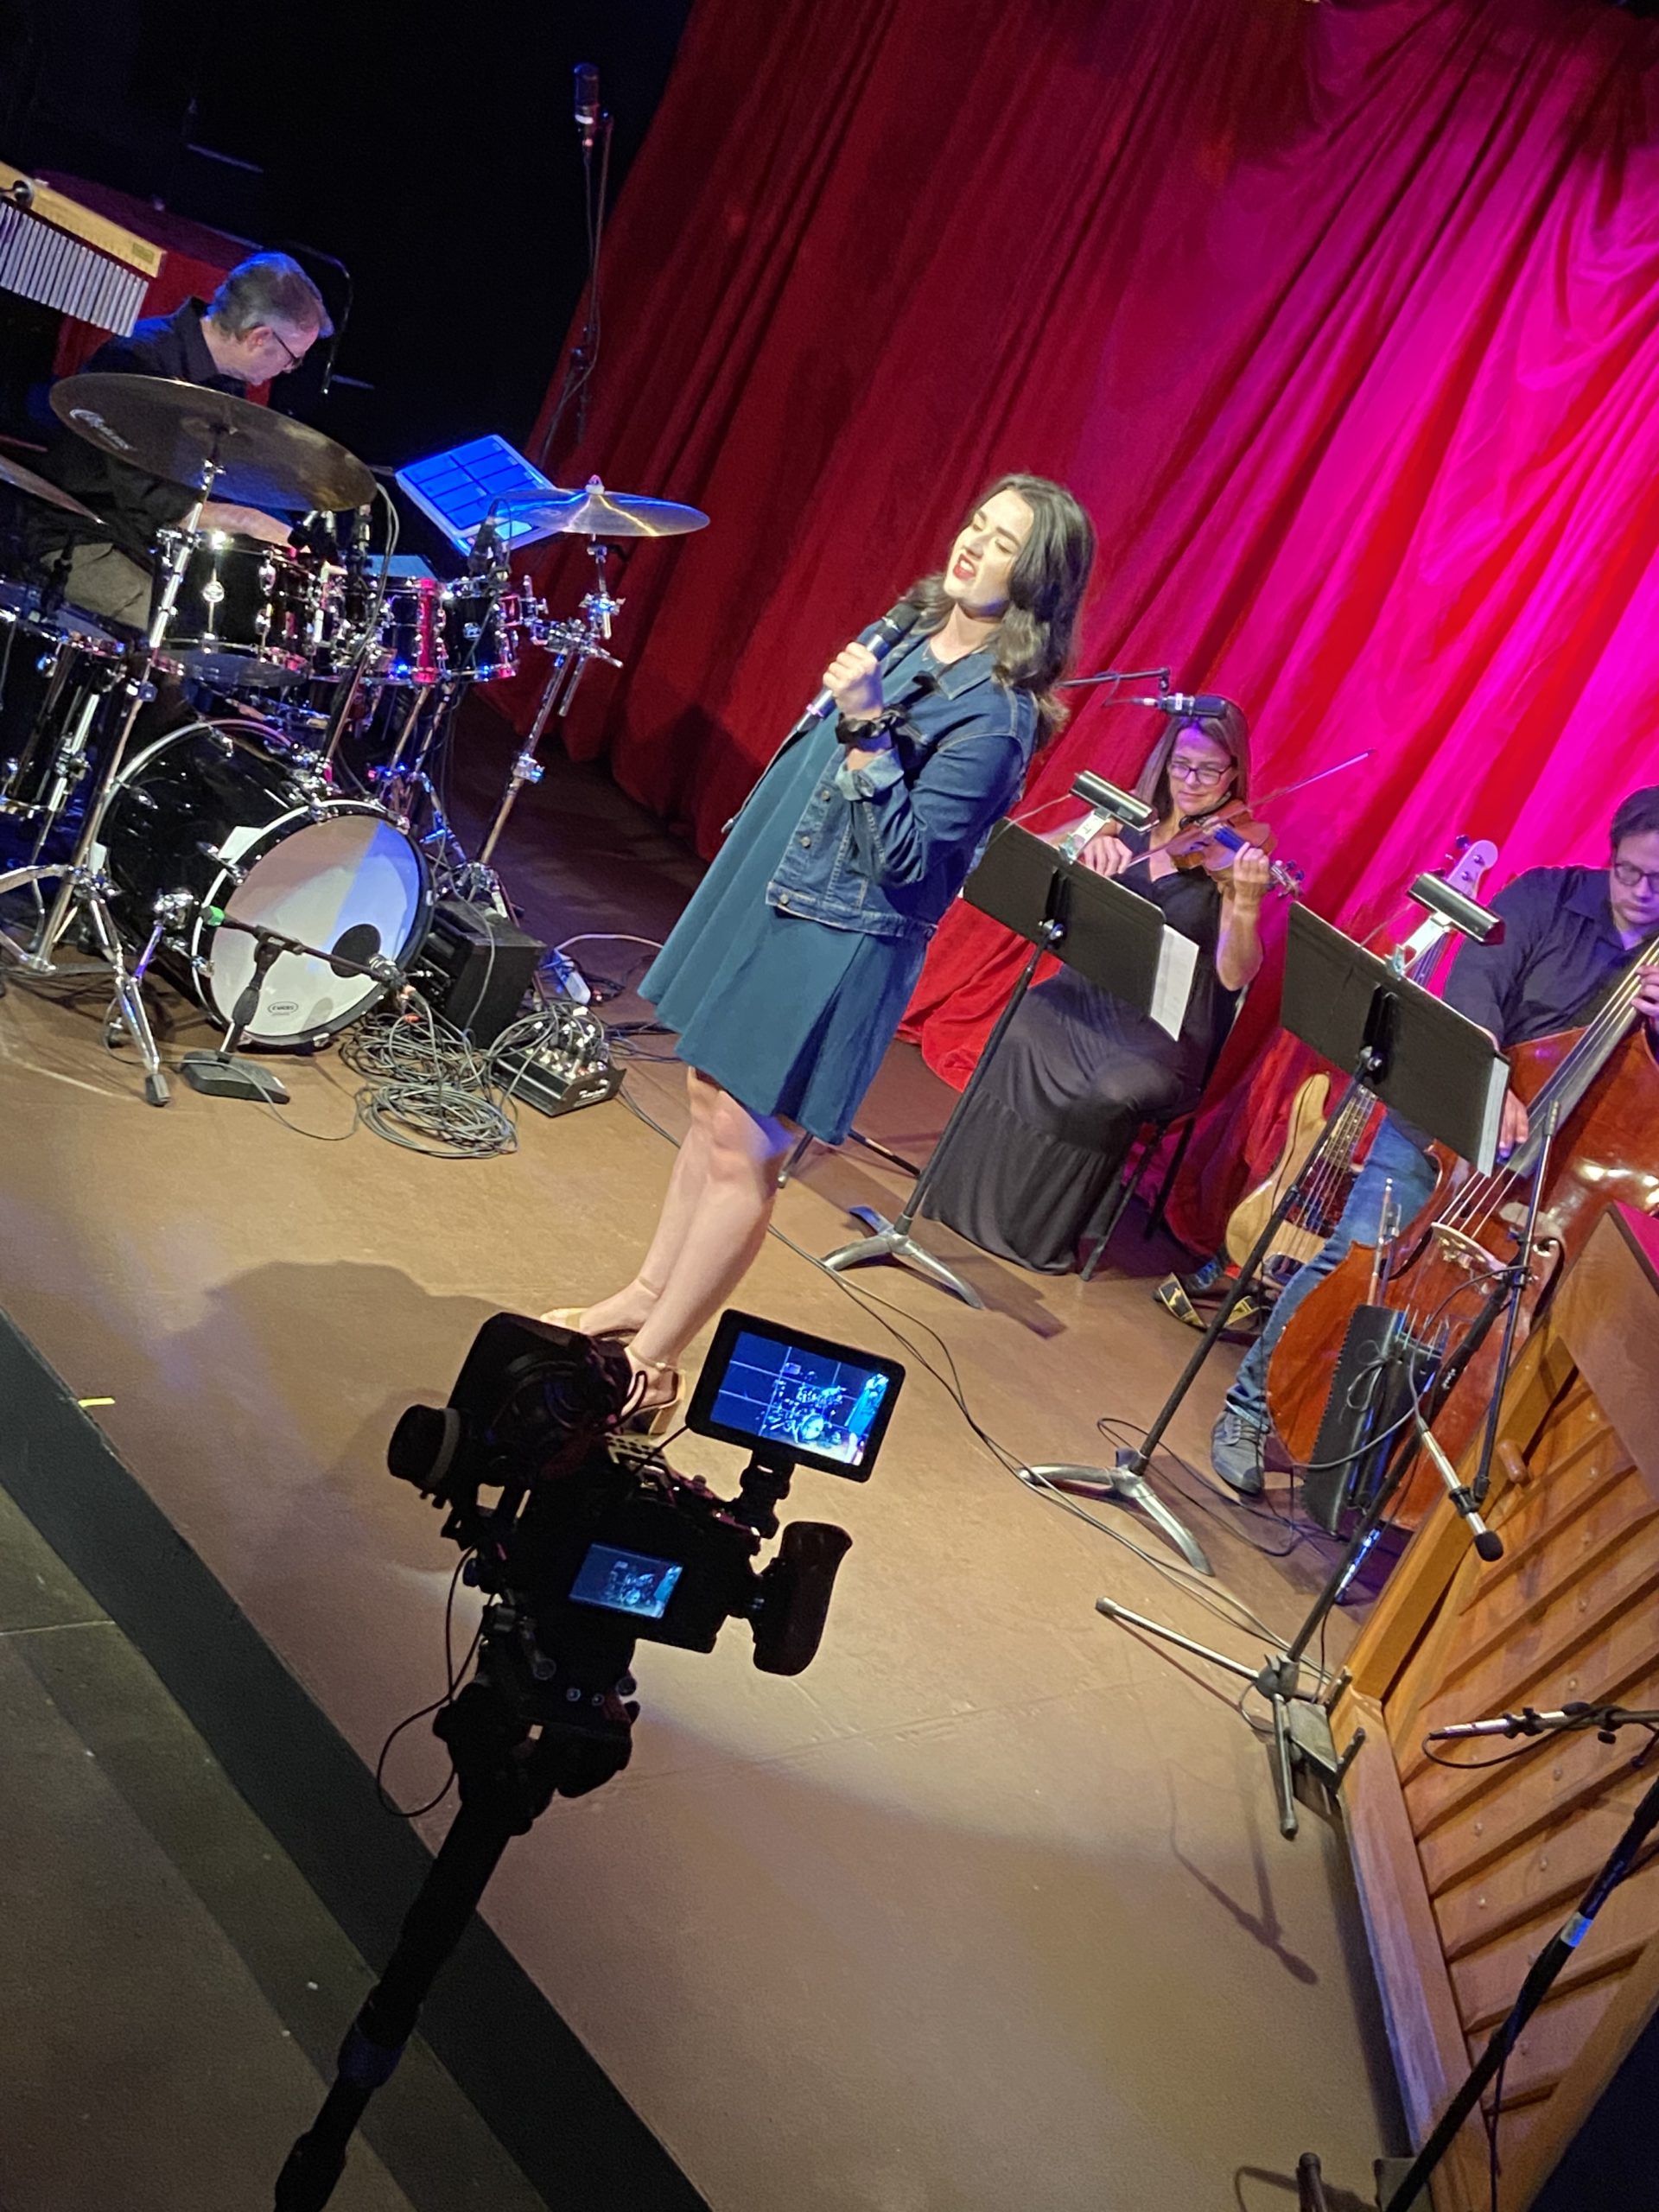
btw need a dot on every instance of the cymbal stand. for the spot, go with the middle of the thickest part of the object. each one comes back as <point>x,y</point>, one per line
<point>575,644</point>
<point>81,884</point>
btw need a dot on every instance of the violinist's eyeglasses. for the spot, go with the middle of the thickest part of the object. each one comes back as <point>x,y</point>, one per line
<point>1632,877</point>
<point>1202,773</point>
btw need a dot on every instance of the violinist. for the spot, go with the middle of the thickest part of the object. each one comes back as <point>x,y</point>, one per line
<point>1569,934</point>
<point>1078,1072</point>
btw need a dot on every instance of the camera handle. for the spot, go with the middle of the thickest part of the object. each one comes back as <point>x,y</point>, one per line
<point>503,1790</point>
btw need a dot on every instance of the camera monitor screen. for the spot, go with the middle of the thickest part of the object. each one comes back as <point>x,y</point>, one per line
<point>818,1403</point>
<point>626,1582</point>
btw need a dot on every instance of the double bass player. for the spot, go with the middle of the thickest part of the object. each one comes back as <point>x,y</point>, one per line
<point>1569,934</point>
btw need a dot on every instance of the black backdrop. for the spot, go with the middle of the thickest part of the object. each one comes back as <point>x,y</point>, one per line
<point>430,149</point>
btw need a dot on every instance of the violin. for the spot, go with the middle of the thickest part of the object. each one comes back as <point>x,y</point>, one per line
<point>1212,841</point>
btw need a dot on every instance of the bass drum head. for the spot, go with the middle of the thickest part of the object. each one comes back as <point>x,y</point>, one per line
<point>314,880</point>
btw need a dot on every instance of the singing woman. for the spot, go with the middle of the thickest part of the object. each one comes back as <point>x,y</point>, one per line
<point>787,974</point>
<point>1078,1072</point>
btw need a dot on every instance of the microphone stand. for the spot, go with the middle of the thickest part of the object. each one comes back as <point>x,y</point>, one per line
<point>224,1074</point>
<point>1621,1862</point>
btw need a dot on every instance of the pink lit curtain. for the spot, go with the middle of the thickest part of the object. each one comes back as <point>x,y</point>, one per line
<point>1343,320</point>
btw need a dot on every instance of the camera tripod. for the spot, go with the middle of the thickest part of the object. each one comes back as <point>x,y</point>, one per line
<point>584,1712</point>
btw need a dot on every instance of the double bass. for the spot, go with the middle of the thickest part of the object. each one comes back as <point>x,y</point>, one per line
<point>1604,1083</point>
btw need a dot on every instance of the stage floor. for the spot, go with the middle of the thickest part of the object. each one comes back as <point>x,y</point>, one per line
<point>986,1909</point>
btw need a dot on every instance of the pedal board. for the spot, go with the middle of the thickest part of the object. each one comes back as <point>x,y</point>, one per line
<point>543,1079</point>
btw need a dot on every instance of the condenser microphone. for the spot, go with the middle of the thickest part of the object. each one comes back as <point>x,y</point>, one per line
<point>585,81</point>
<point>1201,706</point>
<point>896,624</point>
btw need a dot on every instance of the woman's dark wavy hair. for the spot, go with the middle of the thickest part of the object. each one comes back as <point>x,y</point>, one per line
<point>1228,729</point>
<point>1034,639</point>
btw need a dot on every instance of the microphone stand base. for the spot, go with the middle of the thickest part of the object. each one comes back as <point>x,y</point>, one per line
<point>892,1240</point>
<point>223,1075</point>
<point>1129,1486</point>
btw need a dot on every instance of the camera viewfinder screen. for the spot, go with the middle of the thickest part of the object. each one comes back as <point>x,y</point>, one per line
<point>821,1404</point>
<point>626,1582</point>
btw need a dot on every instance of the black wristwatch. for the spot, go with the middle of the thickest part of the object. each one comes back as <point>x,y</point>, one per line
<point>869,729</point>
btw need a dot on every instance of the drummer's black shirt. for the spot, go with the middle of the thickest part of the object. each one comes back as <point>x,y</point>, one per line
<point>133,504</point>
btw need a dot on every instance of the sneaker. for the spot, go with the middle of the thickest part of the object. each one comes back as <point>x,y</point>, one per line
<point>1235,1446</point>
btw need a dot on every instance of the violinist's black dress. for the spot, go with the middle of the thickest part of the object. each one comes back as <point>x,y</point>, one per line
<point>1073,1080</point>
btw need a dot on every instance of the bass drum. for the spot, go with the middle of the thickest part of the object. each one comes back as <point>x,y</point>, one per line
<point>215,812</point>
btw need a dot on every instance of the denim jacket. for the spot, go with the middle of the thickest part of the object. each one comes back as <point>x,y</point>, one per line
<point>885,849</point>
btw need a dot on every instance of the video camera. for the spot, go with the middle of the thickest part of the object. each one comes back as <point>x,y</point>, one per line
<point>591,1540</point>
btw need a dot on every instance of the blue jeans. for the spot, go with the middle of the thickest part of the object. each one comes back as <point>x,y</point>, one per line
<point>1393,1157</point>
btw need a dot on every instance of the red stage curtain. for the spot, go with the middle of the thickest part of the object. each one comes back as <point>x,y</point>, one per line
<point>1343,320</point>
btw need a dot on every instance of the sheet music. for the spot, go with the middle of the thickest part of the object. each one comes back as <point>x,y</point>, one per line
<point>1178,961</point>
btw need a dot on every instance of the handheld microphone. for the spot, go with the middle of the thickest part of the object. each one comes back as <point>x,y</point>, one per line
<point>896,624</point>
<point>585,88</point>
<point>1200,706</point>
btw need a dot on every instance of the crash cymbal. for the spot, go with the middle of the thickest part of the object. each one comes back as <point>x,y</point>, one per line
<point>172,429</point>
<point>595,512</point>
<point>25,479</point>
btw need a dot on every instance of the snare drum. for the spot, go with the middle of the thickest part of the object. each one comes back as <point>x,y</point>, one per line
<point>55,674</point>
<point>213,811</point>
<point>246,616</point>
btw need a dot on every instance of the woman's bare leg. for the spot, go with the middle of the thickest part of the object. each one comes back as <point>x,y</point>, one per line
<point>725,1230</point>
<point>629,1307</point>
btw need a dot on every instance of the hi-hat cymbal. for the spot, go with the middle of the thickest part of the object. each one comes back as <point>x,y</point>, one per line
<point>25,479</point>
<point>172,429</point>
<point>595,512</point>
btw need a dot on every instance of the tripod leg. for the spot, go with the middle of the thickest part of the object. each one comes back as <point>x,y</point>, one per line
<point>129,1002</point>
<point>375,2041</point>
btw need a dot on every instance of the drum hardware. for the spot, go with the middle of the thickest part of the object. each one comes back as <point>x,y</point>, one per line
<point>598,516</point>
<point>81,884</point>
<point>573,644</point>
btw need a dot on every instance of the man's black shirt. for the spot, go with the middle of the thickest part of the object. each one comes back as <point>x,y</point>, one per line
<point>133,505</point>
<point>1560,952</point>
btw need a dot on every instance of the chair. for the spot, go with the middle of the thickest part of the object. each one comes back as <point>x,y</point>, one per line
<point>1146,1141</point>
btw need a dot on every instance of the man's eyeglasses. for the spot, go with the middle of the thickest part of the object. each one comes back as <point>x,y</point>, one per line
<point>294,359</point>
<point>1633,878</point>
<point>1201,772</point>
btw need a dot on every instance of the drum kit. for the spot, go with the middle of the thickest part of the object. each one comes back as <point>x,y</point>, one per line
<point>275,842</point>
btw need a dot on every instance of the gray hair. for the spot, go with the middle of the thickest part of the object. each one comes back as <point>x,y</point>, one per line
<point>270,287</point>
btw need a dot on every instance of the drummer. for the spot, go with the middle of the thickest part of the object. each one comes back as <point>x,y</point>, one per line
<point>261,323</point>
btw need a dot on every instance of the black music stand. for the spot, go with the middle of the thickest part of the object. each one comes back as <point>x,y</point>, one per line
<point>1435,1067</point>
<point>1112,936</point>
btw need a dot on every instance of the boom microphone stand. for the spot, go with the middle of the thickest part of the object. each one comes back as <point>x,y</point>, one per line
<point>1620,1864</point>
<point>223,1074</point>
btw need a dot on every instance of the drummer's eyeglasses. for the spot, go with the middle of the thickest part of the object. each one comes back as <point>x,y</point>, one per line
<point>1201,772</point>
<point>1633,878</point>
<point>294,359</point>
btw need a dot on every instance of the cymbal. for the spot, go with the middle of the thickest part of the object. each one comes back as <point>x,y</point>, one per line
<point>25,479</point>
<point>171,429</point>
<point>595,512</point>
